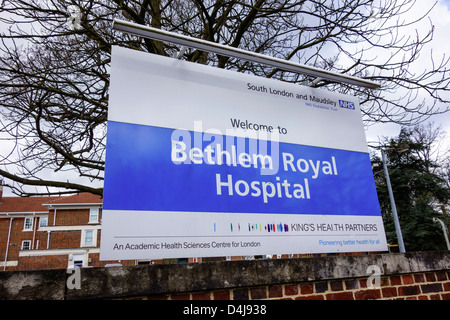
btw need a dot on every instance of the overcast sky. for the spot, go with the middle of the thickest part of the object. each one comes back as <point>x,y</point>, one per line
<point>440,16</point>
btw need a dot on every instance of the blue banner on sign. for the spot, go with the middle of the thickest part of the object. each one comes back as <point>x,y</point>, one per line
<point>160,169</point>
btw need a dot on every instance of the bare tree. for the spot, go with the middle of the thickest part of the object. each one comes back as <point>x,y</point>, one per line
<point>54,66</point>
<point>434,151</point>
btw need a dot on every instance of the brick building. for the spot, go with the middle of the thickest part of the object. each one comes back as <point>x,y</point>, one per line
<point>51,232</point>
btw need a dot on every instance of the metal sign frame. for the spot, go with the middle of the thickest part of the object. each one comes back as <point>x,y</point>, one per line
<point>220,170</point>
<point>186,41</point>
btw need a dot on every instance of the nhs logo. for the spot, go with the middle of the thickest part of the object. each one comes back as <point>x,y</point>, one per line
<point>346,104</point>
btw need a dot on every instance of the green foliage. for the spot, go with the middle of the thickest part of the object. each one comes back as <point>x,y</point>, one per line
<point>419,191</point>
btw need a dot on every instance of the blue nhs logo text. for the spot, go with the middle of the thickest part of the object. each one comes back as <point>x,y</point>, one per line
<point>346,104</point>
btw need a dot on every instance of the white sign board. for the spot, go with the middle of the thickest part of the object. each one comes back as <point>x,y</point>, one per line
<point>208,162</point>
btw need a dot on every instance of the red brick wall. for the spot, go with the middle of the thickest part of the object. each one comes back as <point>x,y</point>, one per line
<point>418,286</point>
<point>17,236</point>
<point>65,239</point>
<point>4,228</point>
<point>58,240</point>
<point>95,261</point>
<point>72,217</point>
<point>43,262</point>
<point>61,262</point>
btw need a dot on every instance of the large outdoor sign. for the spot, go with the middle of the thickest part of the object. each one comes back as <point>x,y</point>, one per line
<point>208,162</point>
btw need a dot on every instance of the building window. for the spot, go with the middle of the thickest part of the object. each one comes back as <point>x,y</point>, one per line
<point>93,215</point>
<point>26,245</point>
<point>43,221</point>
<point>88,238</point>
<point>28,224</point>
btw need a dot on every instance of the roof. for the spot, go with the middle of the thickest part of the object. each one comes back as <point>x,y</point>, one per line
<point>77,199</point>
<point>20,204</point>
<point>41,204</point>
